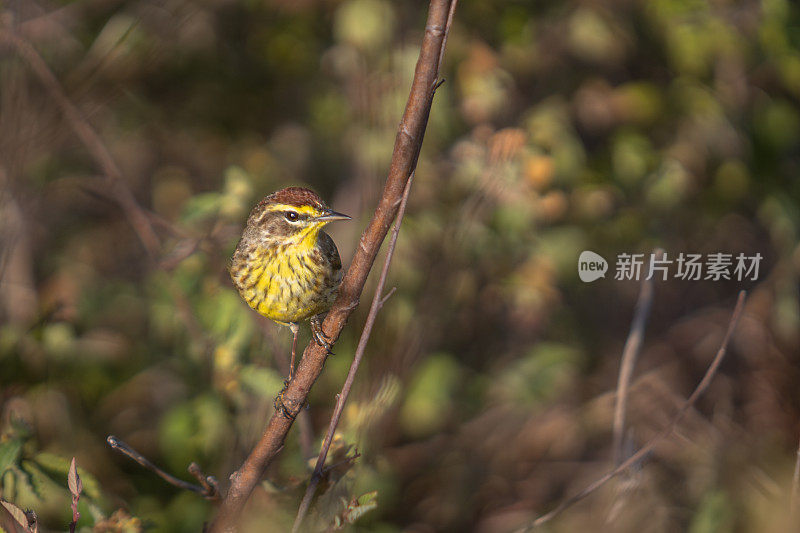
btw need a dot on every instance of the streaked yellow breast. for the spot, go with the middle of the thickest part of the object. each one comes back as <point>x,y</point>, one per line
<point>286,282</point>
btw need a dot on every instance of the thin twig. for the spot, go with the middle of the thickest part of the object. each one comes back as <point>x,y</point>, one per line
<point>629,355</point>
<point>793,503</point>
<point>141,220</point>
<point>647,448</point>
<point>209,483</point>
<point>348,459</point>
<point>408,141</point>
<point>91,189</point>
<point>449,24</point>
<point>208,488</point>
<point>306,439</point>
<point>94,144</point>
<point>351,375</point>
<point>388,295</point>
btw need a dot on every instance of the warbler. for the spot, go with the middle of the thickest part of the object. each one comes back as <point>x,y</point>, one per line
<point>285,267</point>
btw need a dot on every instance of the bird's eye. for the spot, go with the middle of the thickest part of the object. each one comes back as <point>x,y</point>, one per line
<point>291,216</point>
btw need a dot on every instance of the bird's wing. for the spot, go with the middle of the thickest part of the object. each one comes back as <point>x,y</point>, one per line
<point>329,250</point>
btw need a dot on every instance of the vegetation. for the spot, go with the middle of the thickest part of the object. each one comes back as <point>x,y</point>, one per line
<point>486,395</point>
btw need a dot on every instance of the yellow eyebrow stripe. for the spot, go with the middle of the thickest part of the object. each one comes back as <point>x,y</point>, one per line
<point>304,209</point>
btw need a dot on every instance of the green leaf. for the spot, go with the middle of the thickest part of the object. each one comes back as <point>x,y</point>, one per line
<point>8,484</point>
<point>201,207</point>
<point>715,514</point>
<point>9,453</point>
<point>27,487</point>
<point>39,485</point>
<point>263,381</point>
<point>540,376</point>
<point>360,506</point>
<point>237,194</point>
<point>430,394</point>
<point>195,430</point>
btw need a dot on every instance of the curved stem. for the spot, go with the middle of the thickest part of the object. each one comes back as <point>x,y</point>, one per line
<point>667,431</point>
<point>377,303</point>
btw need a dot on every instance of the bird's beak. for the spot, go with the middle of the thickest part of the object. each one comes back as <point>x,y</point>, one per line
<point>330,216</point>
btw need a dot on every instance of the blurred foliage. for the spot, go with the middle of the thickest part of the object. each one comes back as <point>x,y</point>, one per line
<point>487,392</point>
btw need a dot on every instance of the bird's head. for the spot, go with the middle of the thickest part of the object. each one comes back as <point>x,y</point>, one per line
<point>290,216</point>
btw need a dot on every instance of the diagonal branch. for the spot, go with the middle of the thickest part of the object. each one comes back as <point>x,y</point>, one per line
<point>406,149</point>
<point>793,501</point>
<point>630,353</point>
<point>208,485</point>
<point>666,432</point>
<point>137,217</point>
<point>375,307</point>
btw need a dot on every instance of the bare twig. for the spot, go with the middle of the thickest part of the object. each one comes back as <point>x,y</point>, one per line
<point>388,295</point>
<point>447,26</point>
<point>136,215</point>
<point>347,460</point>
<point>406,149</point>
<point>208,487</point>
<point>209,483</point>
<point>629,355</point>
<point>793,503</point>
<point>647,448</point>
<point>351,375</point>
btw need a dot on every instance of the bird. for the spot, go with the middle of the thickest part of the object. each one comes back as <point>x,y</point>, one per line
<point>285,267</point>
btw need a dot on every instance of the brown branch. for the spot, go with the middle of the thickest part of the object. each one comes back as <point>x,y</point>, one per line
<point>136,216</point>
<point>377,303</point>
<point>647,448</point>
<point>375,307</point>
<point>281,361</point>
<point>406,149</point>
<point>629,355</point>
<point>208,487</point>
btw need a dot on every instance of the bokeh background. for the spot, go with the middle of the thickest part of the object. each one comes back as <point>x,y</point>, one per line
<point>487,392</point>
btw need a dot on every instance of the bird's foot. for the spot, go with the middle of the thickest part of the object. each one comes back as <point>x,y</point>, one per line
<point>319,335</point>
<point>287,407</point>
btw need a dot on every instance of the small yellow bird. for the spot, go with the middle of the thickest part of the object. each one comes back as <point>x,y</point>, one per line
<point>285,267</point>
